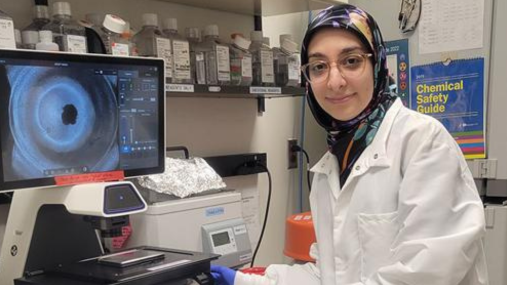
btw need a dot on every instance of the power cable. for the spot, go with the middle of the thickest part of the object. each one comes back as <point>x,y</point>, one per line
<point>265,215</point>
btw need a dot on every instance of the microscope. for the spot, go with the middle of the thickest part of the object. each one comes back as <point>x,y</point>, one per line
<point>72,127</point>
<point>52,237</point>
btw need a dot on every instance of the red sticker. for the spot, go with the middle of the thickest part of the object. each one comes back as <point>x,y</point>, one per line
<point>89,178</point>
<point>119,242</point>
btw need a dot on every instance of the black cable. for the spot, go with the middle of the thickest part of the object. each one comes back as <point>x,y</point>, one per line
<point>300,149</point>
<point>307,169</point>
<point>265,216</point>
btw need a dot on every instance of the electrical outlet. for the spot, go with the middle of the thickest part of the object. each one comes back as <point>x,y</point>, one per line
<point>292,154</point>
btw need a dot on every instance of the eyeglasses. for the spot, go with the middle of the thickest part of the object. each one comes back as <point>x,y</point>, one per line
<point>350,65</point>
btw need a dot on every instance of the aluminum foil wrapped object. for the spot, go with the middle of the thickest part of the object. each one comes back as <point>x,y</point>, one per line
<point>183,177</point>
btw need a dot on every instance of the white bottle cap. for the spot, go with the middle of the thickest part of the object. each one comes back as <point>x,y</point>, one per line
<point>30,37</point>
<point>46,36</point>
<point>150,19</point>
<point>265,40</point>
<point>95,18</point>
<point>61,8</point>
<point>17,36</point>
<point>193,33</point>
<point>114,23</point>
<point>211,30</point>
<point>241,42</point>
<point>170,24</point>
<point>289,46</point>
<point>256,36</point>
<point>284,37</point>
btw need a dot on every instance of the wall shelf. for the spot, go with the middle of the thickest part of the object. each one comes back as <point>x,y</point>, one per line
<point>245,92</point>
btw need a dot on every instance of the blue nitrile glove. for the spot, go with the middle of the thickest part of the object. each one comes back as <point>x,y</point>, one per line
<point>223,275</point>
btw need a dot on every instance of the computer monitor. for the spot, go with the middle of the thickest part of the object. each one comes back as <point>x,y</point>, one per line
<point>67,114</point>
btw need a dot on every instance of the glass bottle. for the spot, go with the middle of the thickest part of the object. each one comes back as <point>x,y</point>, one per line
<point>68,34</point>
<point>281,72</point>
<point>7,36</point>
<point>110,33</point>
<point>241,61</point>
<point>151,42</point>
<point>180,52</point>
<point>197,57</point>
<point>218,67</point>
<point>127,37</point>
<point>17,38</point>
<point>262,61</point>
<point>40,16</point>
<point>29,39</point>
<point>46,42</point>
<point>287,62</point>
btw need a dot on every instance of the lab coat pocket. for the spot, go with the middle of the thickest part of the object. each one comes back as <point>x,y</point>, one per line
<point>376,236</point>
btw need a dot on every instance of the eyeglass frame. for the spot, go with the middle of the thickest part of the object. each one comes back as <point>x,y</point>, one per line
<point>365,56</point>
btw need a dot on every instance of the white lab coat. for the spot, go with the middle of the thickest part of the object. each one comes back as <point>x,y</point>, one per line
<point>408,214</point>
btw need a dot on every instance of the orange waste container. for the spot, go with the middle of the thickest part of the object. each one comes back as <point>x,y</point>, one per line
<point>299,236</point>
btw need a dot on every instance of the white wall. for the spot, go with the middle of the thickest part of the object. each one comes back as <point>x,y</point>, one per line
<point>211,126</point>
<point>314,140</point>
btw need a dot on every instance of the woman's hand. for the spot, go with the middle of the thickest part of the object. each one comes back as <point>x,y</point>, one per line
<point>223,275</point>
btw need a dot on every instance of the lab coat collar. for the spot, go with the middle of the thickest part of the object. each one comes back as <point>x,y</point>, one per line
<point>373,156</point>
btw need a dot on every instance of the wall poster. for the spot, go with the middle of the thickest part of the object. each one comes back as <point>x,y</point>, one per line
<point>454,95</point>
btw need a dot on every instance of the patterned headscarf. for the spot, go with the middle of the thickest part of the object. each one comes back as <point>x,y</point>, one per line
<point>363,25</point>
<point>348,139</point>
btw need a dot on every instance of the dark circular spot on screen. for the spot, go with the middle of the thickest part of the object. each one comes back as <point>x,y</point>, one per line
<point>69,115</point>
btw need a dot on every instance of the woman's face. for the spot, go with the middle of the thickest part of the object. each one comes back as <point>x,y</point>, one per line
<point>341,96</point>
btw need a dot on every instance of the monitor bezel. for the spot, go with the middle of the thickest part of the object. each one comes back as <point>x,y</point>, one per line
<point>8,186</point>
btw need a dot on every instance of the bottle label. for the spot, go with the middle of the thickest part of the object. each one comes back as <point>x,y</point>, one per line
<point>267,66</point>
<point>295,68</point>
<point>246,66</point>
<point>200,68</point>
<point>7,39</point>
<point>164,52</point>
<point>235,70</point>
<point>181,60</point>
<point>120,49</point>
<point>74,44</point>
<point>223,62</point>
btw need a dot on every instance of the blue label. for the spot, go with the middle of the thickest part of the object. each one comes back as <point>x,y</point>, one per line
<point>210,212</point>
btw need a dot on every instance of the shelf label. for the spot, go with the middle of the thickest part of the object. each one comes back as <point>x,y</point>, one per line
<point>179,88</point>
<point>214,89</point>
<point>265,90</point>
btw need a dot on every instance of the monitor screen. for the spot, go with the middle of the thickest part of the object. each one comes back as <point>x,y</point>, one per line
<point>68,114</point>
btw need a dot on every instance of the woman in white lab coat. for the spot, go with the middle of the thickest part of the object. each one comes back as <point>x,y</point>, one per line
<point>393,200</point>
